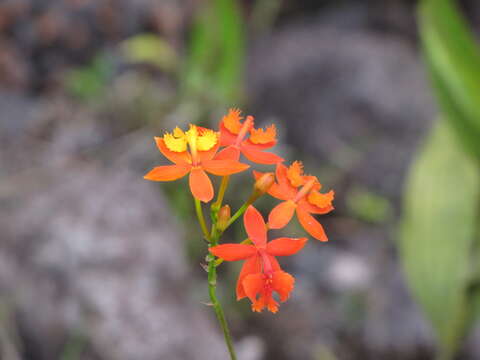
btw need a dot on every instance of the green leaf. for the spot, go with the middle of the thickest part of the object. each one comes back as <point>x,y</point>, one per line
<point>438,232</point>
<point>150,49</point>
<point>216,55</point>
<point>453,62</point>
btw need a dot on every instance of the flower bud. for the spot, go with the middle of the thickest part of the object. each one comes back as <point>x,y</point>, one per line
<point>263,184</point>
<point>223,217</point>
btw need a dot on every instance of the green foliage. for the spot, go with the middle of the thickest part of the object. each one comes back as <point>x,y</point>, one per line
<point>150,49</point>
<point>440,225</point>
<point>438,233</point>
<point>89,82</point>
<point>453,62</point>
<point>368,206</point>
<point>215,60</point>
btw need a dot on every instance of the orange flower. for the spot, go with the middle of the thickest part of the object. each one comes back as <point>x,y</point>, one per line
<point>261,274</point>
<point>192,152</point>
<point>301,195</point>
<point>233,133</point>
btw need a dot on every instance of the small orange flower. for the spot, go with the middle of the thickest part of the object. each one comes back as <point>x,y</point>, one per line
<point>233,133</point>
<point>261,274</point>
<point>193,152</point>
<point>300,194</point>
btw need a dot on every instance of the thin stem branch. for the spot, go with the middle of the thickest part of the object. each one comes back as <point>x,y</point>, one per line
<point>221,192</point>
<point>242,209</point>
<point>212,285</point>
<point>201,219</point>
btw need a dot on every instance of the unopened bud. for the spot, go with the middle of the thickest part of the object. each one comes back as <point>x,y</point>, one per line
<point>223,217</point>
<point>263,184</point>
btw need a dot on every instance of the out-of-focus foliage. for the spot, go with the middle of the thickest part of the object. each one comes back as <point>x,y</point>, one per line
<point>215,60</point>
<point>368,206</point>
<point>438,232</point>
<point>150,49</point>
<point>440,227</point>
<point>453,61</point>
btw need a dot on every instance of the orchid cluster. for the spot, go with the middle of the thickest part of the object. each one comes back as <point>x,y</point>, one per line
<point>199,151</point>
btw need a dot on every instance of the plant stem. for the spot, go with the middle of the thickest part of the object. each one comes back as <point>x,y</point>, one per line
<point>201,219</point>
<point>212,285</point>
<point>242,209</point>
<point>221,192</point>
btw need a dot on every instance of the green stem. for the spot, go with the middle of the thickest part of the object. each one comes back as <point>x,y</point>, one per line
<point>242,209</point>
<point>221,192</point>
<point>201,219</point>
<point>212,285</point>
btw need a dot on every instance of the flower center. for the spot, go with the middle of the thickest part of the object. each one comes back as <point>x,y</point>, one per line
<point>304,190</point>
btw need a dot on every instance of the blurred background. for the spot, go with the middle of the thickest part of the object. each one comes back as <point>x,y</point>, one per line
<point>98,264</point>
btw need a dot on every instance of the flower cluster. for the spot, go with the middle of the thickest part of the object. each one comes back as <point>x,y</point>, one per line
<point>199,151</point>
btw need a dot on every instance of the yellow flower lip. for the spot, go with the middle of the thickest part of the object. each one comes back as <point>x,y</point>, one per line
<point>196,139</point>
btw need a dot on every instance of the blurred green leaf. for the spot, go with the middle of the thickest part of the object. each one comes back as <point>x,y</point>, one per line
<point>150,49</point>
<point>215,60</point>
<point>89,81</point>
<point>438,233</point>
<point>368,206</point>
<point>453,61</point>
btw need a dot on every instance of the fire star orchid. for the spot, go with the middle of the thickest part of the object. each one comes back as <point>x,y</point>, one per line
<point>300,194</point>
<point>193,152</point>
<point>261,274</point>
<point>233,133</point>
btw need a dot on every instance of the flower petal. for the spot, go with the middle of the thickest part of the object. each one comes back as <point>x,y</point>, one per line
<point>281,214</point>
<point>305,205</point>
<point>274,263</point>
<point>233,252</point>
<point>255,227</point>
<point>167,172</point>
<point>274,190</point>
<point>283,182</point>
<point>224,167</point>
<point>260,157</point>
<point>283,283</point>
<point>285,246</point>
<point>175,157</point>
<point>200,185</point>
<point>229,153</point>
<point>253,284</point>
<point>208,154</point>
<point>226,137</point>
<point>252,265</point>
<point>312,226</point>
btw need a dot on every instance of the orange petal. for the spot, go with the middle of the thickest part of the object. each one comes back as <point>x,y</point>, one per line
<point>255,227</point>
<point>283,284</point>
<point>233,252</point>
<point>229,153</point>
<point>283,182</point>
<point>304,204</point>
<point>226,137</point>
<point>209,154</point>
<point>175,157</point>
<point>285,246</point>
<point>224,167</point>
<point>253,284</point>
<point>275,189</point>
<point>281,214</point>
<point>252,265</point>
<point>312,226</point>
<point>168,172</point>
<point>200,185</point>
<point>274,263</point>
<point>260,157</point>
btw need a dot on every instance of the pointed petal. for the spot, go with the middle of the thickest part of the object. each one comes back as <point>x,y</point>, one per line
<point>224,167</point>
<point>175,157</point>
<point>252,265</point>
<point>233,252</point>
<point>209,154</point>
<point>255,227</point>
<point>283,284</point>
<point>260,157</point>
<point>167,173</point>
<point>226,137</point>
<point>285,246</point>
<point>274,190</point>
<point>283,182</point>
<point>253,284</point>
<point>274,263</point>
<point>281,214</point>
<point>200,185</point>
<point>229,153</point>
<point>305,205</point>
<point>312,226</point>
